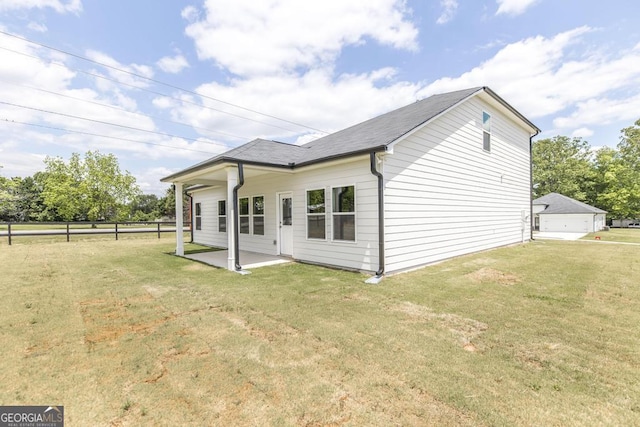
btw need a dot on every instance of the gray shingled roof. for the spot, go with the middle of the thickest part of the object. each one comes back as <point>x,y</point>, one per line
<point>381,131</point>
<point>372,135</point>
<point>559,204</point>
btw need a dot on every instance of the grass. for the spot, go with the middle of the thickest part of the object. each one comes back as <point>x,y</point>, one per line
<point>122,333</point>
<point>625,235</point>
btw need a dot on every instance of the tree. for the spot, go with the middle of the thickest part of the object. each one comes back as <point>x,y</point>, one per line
<point>612,193</point>
<point>563,165</point>
<point>30,204</point>
<point>8,199</point>
<point>629,159</point>
<point>91,189</point>
<point>145,207</point>
<point>167,204</point>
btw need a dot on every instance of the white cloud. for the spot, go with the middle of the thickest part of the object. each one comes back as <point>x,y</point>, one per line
<point>148,180</point>
<point>450,7</point>
<point>601,111</point>
<point>37,133</point>
<point>283,36</point>
<point>113,67</point>
<point>514,7</point>
<point>190,13</point>
<point>547,76</point>
<point>173,64</point>
<point>60,6</point>
<point>582,133</point>
<point>37,27</point>
<point>310,99</point>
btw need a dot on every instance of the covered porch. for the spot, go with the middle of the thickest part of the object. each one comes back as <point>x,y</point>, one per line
<point>231,178</point>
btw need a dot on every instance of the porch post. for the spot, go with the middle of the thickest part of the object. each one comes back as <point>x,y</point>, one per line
<point>179,220</point>
<point>232,181</point>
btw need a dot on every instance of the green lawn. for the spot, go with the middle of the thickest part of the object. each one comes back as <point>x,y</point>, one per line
<point>122,333</point>
<point>625,235</point>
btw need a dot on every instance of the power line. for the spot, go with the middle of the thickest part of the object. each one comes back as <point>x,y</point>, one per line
<point>102,136</point>
<point>146,90</point>
<point>114,107</point>
<point>108,123</point>
<point>161,83</point>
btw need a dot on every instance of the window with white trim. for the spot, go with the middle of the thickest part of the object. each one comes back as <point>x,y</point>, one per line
<point>198,216</point>
<point>243,212</point>
<point>486,131</point>
<point>258,215</point>
<point>222,216</point>
<point>344,213</point>
<point>316,214</point>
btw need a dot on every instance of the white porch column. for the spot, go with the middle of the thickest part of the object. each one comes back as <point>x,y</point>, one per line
<point>179,220</point>
<point>232,181</point>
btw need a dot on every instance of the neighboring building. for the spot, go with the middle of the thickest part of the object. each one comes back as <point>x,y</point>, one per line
<point>556,213</point>
<point>442,177</point>
<point>625,223</point>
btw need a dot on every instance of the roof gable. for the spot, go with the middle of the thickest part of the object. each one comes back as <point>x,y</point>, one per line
<point>560,204</point>
<point>382,130</point>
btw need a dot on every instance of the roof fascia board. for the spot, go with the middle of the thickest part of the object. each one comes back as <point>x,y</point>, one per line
<point>224,161</point>
<point>332,162</point>
<point>377,149</point>
<point>534,129</point>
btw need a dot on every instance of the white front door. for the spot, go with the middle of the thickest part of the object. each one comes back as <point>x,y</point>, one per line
<point>285,223</point>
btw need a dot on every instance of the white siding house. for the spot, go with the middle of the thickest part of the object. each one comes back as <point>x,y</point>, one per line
<point>558,213</point>
<point>445,176</point>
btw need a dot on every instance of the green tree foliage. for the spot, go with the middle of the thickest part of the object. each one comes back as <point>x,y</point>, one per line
<point>93,188</point>
<point>563,165</point>
<point>619,175</point>
<point>145,207</point>
<point>8,199</point>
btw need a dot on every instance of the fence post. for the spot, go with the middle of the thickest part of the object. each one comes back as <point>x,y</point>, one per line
<point>116,231</point>
<point>9,232</point>
<point>67,232</point>
<point>158,230</point>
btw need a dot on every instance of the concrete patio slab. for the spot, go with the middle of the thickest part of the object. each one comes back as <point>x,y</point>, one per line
<point>558,235</point>
<point>248,259</point>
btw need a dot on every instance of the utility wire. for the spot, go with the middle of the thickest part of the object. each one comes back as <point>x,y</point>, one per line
<point>161,83</point>
<point>115,107</point>
<point>108,123</point>
<point>102,136</point>
<point>99,76</point>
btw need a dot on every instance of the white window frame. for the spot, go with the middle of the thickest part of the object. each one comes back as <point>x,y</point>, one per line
<point>224,217</point>
<point>354,213</point>
<point>198,215</point>
<point>486,131</point>
<point>241,216</point>
<point>308,214</point>
<point>254,215</point>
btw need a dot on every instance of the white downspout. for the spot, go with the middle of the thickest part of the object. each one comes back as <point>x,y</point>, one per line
<point>179,219</point>
<point>232,181</point>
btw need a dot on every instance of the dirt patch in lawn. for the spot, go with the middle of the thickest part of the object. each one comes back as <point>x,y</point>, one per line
<point>109,319</point>
<point>487,274</point>
<point>463,329</point>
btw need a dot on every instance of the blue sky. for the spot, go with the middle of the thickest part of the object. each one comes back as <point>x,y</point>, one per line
<point>186,80</point>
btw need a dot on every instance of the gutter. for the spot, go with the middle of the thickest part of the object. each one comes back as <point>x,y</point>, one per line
<point>531,217</point>
<point>191,214</point>
<point>236,219</point>
<point>380,273</point>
